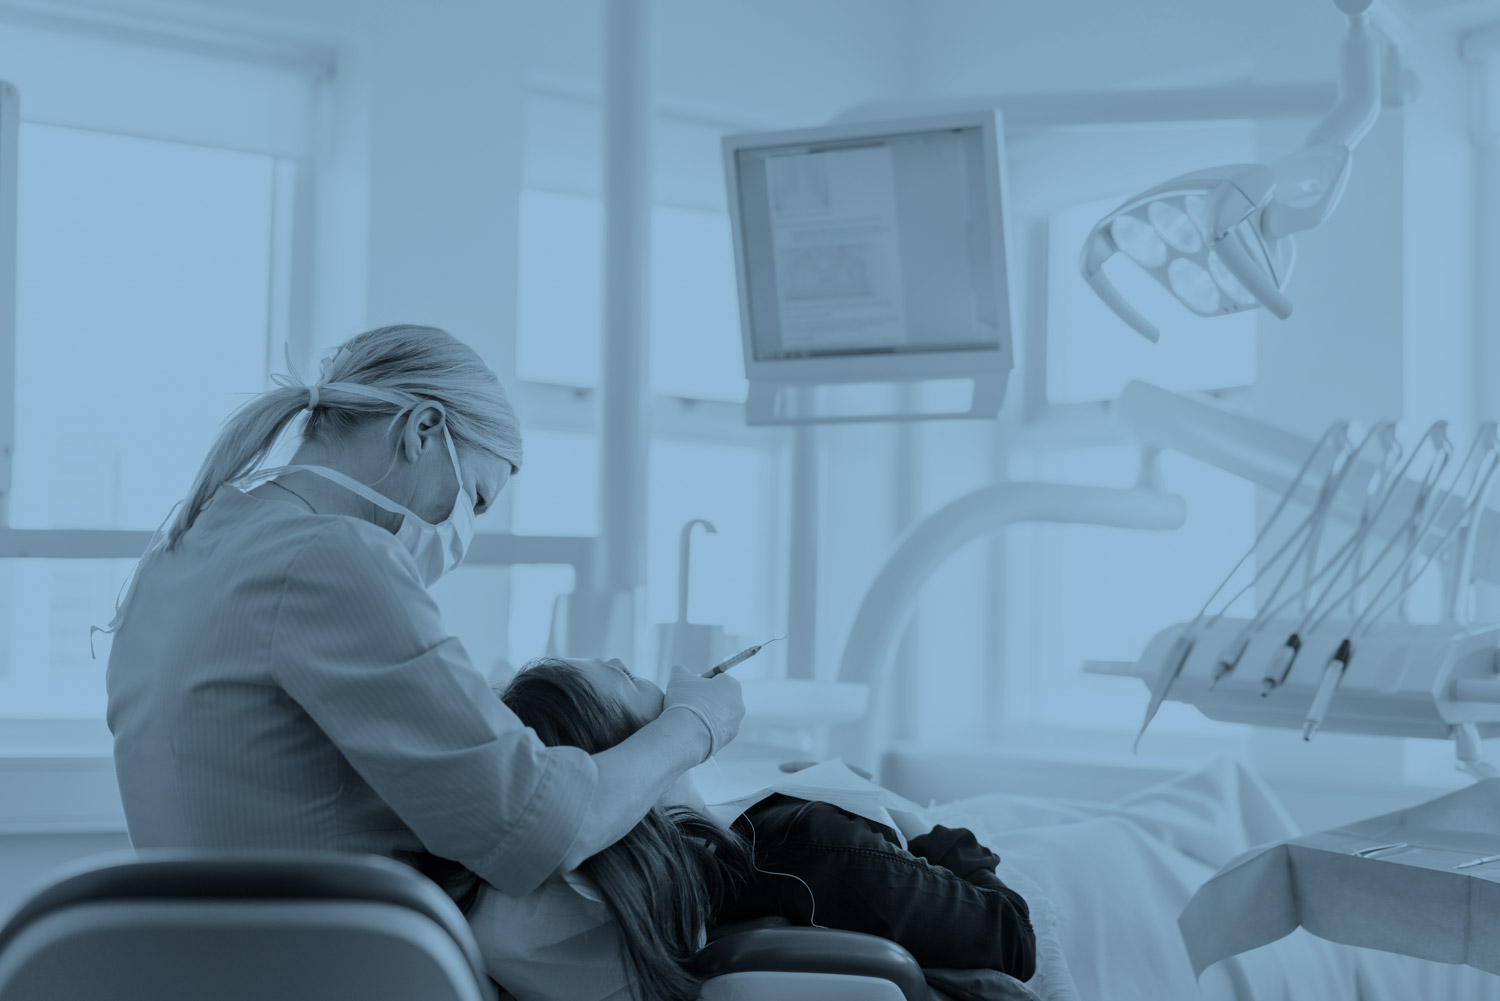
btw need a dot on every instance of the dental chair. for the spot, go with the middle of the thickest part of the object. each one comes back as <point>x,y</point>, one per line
<point>190,925</point>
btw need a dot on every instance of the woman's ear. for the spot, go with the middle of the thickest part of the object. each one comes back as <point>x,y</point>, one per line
<point>423,428</point>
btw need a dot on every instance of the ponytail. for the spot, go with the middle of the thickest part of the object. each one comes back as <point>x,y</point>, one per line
<point>246,439</point>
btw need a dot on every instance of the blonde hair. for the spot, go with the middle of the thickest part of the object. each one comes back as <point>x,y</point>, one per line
<point>380,374</point>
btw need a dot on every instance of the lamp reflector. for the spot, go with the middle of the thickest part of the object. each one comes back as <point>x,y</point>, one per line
<point>1175,227</point>
<point>1193,285</point>
<point>1138,240</point>
<point>1197,210</point>
<point>1228,282</point>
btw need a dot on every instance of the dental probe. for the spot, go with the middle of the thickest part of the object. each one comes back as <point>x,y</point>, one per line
<point>740,657</point>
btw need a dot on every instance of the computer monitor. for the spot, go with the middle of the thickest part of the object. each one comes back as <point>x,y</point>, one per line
<point>871,253</point>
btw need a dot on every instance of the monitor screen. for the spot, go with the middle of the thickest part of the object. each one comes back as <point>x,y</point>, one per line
<point>880,244</point>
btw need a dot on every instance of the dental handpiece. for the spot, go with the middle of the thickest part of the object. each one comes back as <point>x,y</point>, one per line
<point>740,658</point>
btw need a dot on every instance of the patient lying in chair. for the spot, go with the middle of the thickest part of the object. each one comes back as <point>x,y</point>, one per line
<point>629,920</point>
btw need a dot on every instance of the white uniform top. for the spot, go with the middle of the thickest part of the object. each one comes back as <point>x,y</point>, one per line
<point>282,680</point>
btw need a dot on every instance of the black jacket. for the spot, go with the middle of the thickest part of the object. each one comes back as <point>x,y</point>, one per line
<point>941,900</point>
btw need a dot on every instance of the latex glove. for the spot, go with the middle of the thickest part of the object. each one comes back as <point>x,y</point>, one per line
<point>717,702</point>
<point>684,792</point>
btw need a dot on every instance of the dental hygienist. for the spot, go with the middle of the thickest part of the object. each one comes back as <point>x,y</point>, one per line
<point>281,679</point>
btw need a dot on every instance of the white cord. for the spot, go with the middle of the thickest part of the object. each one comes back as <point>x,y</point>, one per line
<point>1457,604</point>
<point>1319,512</point>
<point>1416,530</point>
<point>1341,427</point>
<point>1312,524</point>
<point>1366,515</point>
<point>1473,505</point>
<point>1341,559</point>
<point>813,913</point>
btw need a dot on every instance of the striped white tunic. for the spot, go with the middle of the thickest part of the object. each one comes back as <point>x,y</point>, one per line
<point>282,680</point>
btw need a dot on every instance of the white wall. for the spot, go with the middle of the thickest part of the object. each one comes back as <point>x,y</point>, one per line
<point>778,63</point>
<point>977,46</point>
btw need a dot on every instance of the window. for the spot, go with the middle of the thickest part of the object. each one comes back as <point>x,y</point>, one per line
<point>560,298</point>
<point>695,327</point>
<point>556,494</point>
<point>558,491</point>
<point>153,247</point>
<point>46,667</point>
<point>143,271</point>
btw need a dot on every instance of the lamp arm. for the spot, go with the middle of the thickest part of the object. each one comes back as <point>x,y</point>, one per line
<point>1311,181</point>
<point>1359,100</point>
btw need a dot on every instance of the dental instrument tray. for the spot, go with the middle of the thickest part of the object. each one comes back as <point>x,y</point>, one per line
<point>1423,881</point>
<point>1404,679</point>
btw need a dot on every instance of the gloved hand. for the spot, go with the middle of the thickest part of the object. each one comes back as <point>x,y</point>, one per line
<point>718,702</point>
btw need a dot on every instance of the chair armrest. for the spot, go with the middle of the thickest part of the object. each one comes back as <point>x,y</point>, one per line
<point>813,950</point>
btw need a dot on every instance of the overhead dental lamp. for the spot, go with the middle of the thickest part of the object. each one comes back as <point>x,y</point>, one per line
<point>1221,240</point>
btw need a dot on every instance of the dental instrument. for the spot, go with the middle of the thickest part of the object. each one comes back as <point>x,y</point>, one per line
<point>1307,550</point>
<point>1184,644</point>
<point>1336,666</point>
<point>1386,433</point>
<point>1439,680</point>
<point>1486,860</point>
<point>1286,656</point>
<point>1308,531</point>
<point>1478,494</point>
<point>740,657</point>
<point>1333,673</point>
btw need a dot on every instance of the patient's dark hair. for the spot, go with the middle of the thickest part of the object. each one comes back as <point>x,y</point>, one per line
<point>662,881</point>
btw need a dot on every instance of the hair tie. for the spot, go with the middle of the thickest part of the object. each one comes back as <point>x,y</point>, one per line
<point>312,397</point>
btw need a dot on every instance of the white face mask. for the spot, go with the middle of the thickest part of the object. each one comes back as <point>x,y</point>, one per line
<point>436,548</point>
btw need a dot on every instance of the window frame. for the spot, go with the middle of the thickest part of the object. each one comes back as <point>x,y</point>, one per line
<point>293,183</point>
